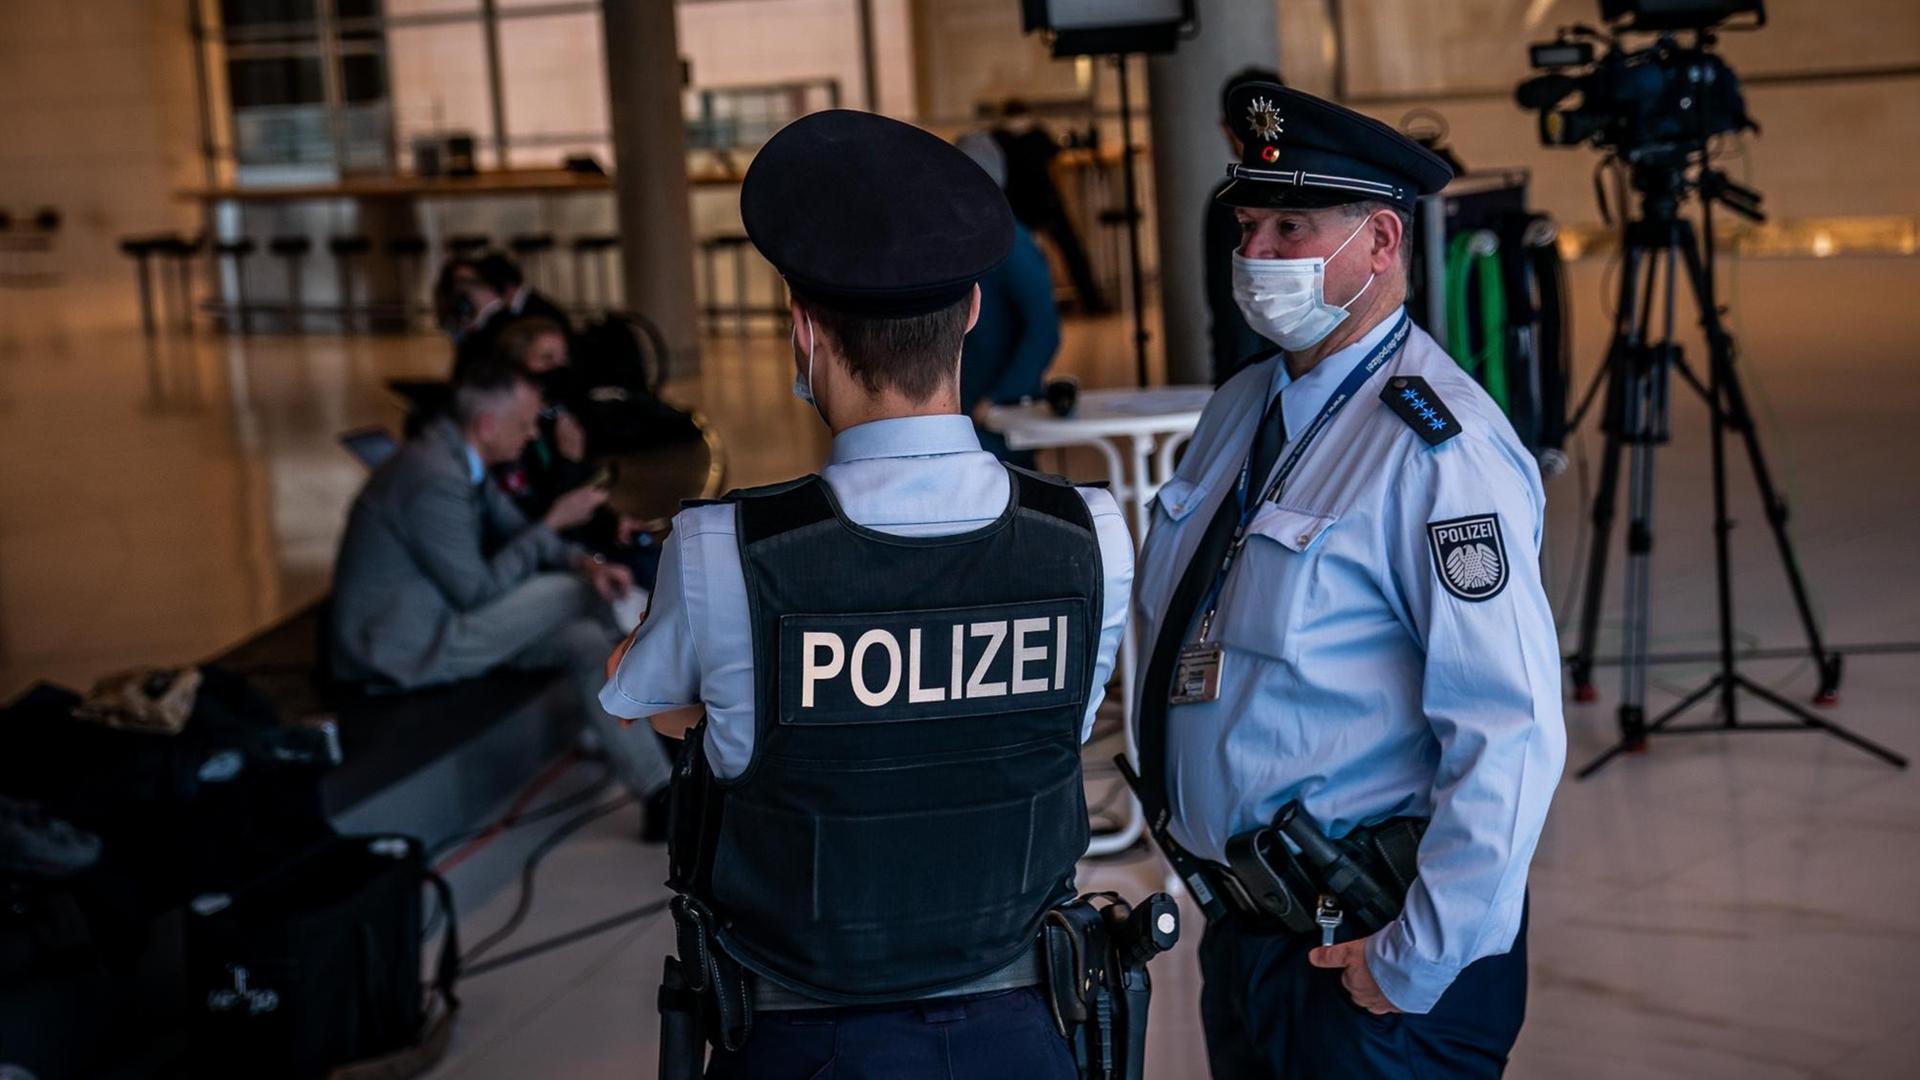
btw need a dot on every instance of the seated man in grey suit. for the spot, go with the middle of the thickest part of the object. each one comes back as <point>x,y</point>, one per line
<point>440,578</point>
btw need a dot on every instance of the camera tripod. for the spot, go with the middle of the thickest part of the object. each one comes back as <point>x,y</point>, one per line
<point>1635,420</point>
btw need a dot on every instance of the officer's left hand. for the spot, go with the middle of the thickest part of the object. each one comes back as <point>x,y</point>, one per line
<point>1350,958</point>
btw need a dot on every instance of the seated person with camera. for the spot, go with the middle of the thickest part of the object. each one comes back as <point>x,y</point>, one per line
<point>441,578</point>
<point>556,459</point>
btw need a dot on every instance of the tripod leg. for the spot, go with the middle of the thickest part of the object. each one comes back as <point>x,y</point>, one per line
<point>1646,426</point>
<point>1652,728</point>
<point>1628,328</point>
<point>1599,543</point>
<point>1828,726</point>
<point>1717,347</point>
<point>1637,613</point>
<point>1731,410</point>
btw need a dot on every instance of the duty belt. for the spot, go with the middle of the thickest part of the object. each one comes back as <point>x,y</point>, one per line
<point>1027,969</point>
<point>1090,959</point>
<point>1289,877</point>
<point>738,993</point>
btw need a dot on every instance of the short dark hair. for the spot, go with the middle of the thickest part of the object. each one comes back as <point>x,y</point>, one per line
<point>483,385</point>
<point>914,354</point>
<point>1368,208</point>
<point>499,272</point>
<point>519,335</point>
<point>1246,75</point>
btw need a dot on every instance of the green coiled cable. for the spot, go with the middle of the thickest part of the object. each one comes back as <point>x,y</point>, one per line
<point>1470,256</point>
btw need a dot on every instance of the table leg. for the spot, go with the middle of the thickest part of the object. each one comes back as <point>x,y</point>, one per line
<point>1163,459</point>
<point>1140,486</point>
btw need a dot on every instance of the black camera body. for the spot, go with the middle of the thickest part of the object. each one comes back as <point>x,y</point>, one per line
<point>1658,103</point>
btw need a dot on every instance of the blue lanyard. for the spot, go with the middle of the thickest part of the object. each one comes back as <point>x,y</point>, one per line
<point>1355,379</point>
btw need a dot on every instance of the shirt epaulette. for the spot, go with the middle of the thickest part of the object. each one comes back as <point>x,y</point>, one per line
<point>1414,401</point>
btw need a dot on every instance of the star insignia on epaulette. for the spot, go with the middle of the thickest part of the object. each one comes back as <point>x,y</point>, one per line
<point>1263,116</point>
<point>1414,401</point>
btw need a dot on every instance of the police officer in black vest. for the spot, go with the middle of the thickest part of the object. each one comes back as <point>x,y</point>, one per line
<point>892,664</point>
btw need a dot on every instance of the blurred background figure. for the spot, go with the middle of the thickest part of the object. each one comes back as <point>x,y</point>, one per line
<point>1007,353</point>
<point>1231,341</point>
<point>1030,149</point>
<point>495,293</point>
<point>463,300</point>
<point>504,277</point>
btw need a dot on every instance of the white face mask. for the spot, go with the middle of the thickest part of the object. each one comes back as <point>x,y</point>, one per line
<point>1285,301</point>
<point>803,384</point>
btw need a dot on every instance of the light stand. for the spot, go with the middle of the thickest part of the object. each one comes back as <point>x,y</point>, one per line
<point>1131,196</point>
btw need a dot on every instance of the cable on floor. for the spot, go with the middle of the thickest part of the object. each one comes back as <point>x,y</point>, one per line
<point>547,945</point>
<point>530,869</point>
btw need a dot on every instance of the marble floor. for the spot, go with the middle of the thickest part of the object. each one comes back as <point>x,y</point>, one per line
<point>1720,907</point>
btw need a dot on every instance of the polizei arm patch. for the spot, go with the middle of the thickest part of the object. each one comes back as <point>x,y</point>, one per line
<point>1469,555</point>
<point>933,665</point>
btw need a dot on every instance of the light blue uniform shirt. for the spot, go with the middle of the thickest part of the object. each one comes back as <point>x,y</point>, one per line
<point>913,476</point>
<point>1360,673</point>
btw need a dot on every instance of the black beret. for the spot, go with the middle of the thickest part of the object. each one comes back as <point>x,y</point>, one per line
<point>1302,151</point>
<point>873,216</point>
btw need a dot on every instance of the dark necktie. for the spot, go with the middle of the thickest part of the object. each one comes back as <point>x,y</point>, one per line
<point>1185,604</point>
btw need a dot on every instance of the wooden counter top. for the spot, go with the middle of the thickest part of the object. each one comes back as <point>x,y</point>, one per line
<point>498,182</point>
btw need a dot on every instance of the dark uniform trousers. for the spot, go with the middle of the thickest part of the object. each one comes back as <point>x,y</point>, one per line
<point>1271,1015</point>
<point>1003,1036</point>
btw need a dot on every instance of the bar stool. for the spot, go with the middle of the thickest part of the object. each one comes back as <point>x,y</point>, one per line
<point>346,252</point>
<point>737,245</point>
<point>144,249</point>
<point>181,250</point>
<point>237,251</point>
<point>185,251</point>
<point>710,248</point>
<point>530,251</point>
<point>293,250</point>
<point>468,244</point>
<point>598,247</point>
<point>141,249</point>
<point>408,252</point>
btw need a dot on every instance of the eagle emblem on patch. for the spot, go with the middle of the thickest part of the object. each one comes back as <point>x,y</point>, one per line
<point>1263,116</point>
<point>1469,555</point>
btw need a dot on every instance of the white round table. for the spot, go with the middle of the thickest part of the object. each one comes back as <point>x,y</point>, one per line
<point>1136,432</point>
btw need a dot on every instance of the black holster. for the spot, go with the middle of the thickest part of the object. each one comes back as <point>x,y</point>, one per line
<point>1097,953</point>
<point>1276,883</point>
<point>683,1037</point>
<point>704,995</point>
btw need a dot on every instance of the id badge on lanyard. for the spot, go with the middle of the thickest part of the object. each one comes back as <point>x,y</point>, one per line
<point>1196,675</point>
<point>1197,671</point>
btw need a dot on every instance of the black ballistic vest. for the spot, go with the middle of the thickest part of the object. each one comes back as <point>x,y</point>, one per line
<point>914,803</point>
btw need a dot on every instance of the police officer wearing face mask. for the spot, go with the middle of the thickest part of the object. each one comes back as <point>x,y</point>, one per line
<point>892,663</point>
<point>1350,722</point>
